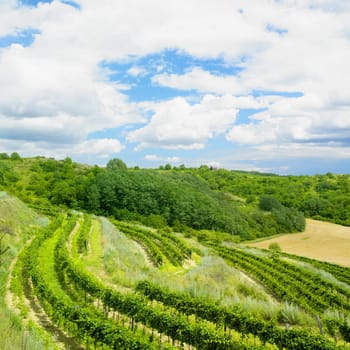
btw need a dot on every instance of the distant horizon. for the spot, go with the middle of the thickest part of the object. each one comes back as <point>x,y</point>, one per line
<point>179,166</point>
<point>255,86</point>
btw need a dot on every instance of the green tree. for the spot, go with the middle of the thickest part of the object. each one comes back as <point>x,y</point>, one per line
<point>4,156</point>
<point>116,164</point>
<point>15,156</point>
<point>268,203</point>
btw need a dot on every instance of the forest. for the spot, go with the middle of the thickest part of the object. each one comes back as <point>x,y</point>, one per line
<point>177,197</point>
<point>246,204</point>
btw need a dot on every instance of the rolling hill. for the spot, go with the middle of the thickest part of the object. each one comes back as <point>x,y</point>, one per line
<point>134,270</point>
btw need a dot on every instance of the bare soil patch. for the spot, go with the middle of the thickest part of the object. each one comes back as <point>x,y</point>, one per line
<point>320,240</point>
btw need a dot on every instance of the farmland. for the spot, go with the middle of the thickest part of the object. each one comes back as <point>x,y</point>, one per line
<point>320,240</point>
<point>77,279</point>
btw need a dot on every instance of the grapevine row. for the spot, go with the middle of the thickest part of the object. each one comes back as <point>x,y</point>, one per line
<point>185,251</point>
<point>281,284</point>
<point>341,273</point>
<point>336,295</point>
<point>85,323</point>
<point>234,318</point>
<point>153,251</point>
<point>287,285</point>
<point>199,334</point>
<point>169,245</point>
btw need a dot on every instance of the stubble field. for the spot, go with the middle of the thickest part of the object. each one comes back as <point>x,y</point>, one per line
<point>320,240</point>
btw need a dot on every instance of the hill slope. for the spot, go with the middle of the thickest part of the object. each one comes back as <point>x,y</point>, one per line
<point>178,198</point>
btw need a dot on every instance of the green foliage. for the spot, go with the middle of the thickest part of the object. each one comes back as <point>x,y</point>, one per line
<point>234,318</point>
<point>69,293</point>
<point>4,156</point>
<point>182,198</point>
<point>116,164</point>
<point>167,166</point>
<point>323,197</point>
<point>3,247</point>
<point>275,247</point>
<point>15,156</point>
<point>269,203</point>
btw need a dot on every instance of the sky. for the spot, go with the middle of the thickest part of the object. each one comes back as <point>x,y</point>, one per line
<point>258,85</point>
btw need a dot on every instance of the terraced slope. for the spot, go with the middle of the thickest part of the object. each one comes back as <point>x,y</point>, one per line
<point>87,282</point>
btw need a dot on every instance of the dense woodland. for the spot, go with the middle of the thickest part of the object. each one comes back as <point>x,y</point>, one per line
<point>246,204</point>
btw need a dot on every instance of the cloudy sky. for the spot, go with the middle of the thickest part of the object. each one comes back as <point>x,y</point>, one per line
<point>253,85</point>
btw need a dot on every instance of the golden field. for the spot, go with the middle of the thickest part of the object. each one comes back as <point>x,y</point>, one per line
<point>320,240</point>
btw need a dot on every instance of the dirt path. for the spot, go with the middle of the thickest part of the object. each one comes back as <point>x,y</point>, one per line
<point>38,315</point>
<point>320,240</point>
<point>146,257</point>
<point>9,297</point>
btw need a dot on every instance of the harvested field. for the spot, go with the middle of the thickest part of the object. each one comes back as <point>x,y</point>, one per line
<point>320,240</point>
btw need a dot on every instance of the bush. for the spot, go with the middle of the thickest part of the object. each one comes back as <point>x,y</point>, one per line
<point>274,246</point>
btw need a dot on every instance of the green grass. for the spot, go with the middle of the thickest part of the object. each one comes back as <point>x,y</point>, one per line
<point>124,260</point>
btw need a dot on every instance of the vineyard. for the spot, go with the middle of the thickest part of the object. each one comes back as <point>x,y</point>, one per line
<point>72,282</point>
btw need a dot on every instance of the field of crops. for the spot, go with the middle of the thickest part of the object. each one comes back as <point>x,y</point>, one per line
<point>92,283</point>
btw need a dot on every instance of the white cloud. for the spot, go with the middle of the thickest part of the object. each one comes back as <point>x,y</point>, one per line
<point>54,92</point>
<point>96,148</point>
<point>203,81</point>
<point>136,71</point>
<point>102,148</point>
<point>176,124</point>
<point>155,158</point>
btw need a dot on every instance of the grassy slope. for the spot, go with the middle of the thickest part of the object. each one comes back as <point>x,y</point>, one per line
<point>321,240</point>
<point>19,220</point>
<point>106,246</point>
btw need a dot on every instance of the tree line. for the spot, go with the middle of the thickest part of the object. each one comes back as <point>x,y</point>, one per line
<point>180,198</point>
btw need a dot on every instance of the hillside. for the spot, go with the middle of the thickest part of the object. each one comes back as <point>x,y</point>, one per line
<point>18,223</point>
<point>320,240</point>
<point>180,198</point>
<point>106,283</point>
<point>97,254</point>
<point>321,197</point>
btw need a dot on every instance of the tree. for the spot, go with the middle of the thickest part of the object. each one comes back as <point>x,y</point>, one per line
<point>268,203</point>
<point>15,156</point>
<point>116,164</point>
<point>4,156</point>
<point>63,193</point>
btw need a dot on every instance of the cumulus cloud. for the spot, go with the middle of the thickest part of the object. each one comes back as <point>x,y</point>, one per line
<point>102,148</point>
<point>91,149</point>
<point>55,93</point>
<point>176,124</point>
<point>203,81</point>
<point>155,158</point>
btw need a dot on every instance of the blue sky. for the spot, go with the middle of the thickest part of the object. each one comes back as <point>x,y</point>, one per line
<point>232,84</point>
